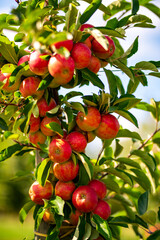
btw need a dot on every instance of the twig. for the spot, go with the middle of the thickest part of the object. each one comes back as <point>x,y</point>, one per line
<point>99,155</point>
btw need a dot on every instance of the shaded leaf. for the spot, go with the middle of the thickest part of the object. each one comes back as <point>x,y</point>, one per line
<point>3,124</point>
<point>24,210</point>
<point>10,151</point>
<point>90,10</point>
<point>42,171</point>
<point>143,203</point>
<point>92,77</point>
<point>129,116</point>
<point>128,134</point>
<point>112,82</point>
<point>102,227</point>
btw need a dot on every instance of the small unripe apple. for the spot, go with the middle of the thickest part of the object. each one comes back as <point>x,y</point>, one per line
<point>37,64</point>
<point>66,171</point>
<point>99,187</point>
<point>34,123</point>
<point>46,120</point>
<point>44,107</point>
<point>64,189</point>
<point>81,55</point>
<point>49,216</point>
<point>37,192</point>
<point>77,141</point>
<point>37,137</point>
<point>102,209</point>
<point>100,52</point>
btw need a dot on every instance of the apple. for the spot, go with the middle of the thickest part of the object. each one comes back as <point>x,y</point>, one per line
<point>34,123</point>
<point>46,120</point>
<point>44,107</point>
<point>37,137</point>
<point>37,192</point>
<point>89,121</point>
<point>102,209</point>
<point>64,189</point>
<point>66,43</point>
<point>90,136</point>
<point>59,150</point>
<point>48,216</point>
<point>99,187</point>
<point>100,52</point>
<point>23,59</point>
<point>6,87</point>
<point>85,26</point>
<point>108,127</point>
<point>94,64</point>
<point>65,171</point>
<point>37,64</point>
<point>74,217</point>
<point>84,199</point>
<point>29,86</point>
<point>61,68</point>
<point>81,55</point>
<point>77,141</point>
<point>88,43</point>
<point>103,63</point>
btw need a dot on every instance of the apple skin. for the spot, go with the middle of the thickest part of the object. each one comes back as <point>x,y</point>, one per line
<point>67,44</point>
<point>23,59</point>
<point>6,86</point>
<point>77,141</point>
<point>74,217</point>
<point>61,68</point>
<point>94,64</point>
<point>81,55</point>
<point>46,120</point>
<point>102,209</point>
<point>49,216</point>
<point>99,187</point>
<point>108,127</point>
<point>100,52</point>
<point>38,65</point>
<point>87,25</point>
<point>29,86</point>
<point>37,192</point>
<point>88,43</point>
<point>84,199</point>
<point>59,150</point>
<point>44,107</point>
<point>34,123</point>
<point>66,171</point>
<point>37,137</point>
<point>64,189</point>
<point>89,121</point>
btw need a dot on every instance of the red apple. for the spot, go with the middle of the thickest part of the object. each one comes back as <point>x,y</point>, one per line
<point>64,189</point>
<point>77,141</point>
<point>103,63</point>
<point>44,107</point>
<point>5,77</point>
<point>102,209</point>
<point>100,52</point>
<point>89,121</point>
<point>37,64</point>
<point>29,86</point>
<point>90,136</point>
<point>37,137</point>
<point>59,150</point>
<point>66,43</point>
<point>74,217</point>
<point>94,64</point>
<point>81,55</point>
<point>61,68</point>
<point>85,26</point>
<point>34,123</point>
<point>108,127</point>
<point>66,171</point>
<point>37,192</point>
<point>99,187</point>
<point>49,216</point>
<point>88,43</point>
<point>23,59</point>
<point>46,120</point>
<point>85,199</point>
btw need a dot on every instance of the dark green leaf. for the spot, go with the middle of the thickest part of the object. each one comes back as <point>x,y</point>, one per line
<point>42,171</point>
<point>86,163</point>
<point>3,124</point>
<point>39,217</point>
<point>92,77</point>
<point>131,50</point>
<point>129,116</point>
<point>153,8</point>
<point>77,106</point>
<point>72,94</point>
<point>128,134</point>
<point>154,235</point>
<point>143,203</point>
<point>118,148</point>
<point>10,151</point>
<point>124,69</point>
<point>68,115</point>
<point>7,50</point>
<point>159,214</point>
<point>128,162</point>
<point>24,210</point>
<point>90,10</point>
<point>141,179</point>
<point>72,16</point>
<point>146,66</point>
<point>45,82</point>
<point>102,227</point>
<point>80,229</point>
<point>112,83</point>
<point>55,127</point>
<point>135,6</point>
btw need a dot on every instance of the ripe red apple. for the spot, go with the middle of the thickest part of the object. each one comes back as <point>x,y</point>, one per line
<point>100,52</point>
<point>85,199</point>
<point>44,107</point>
<point>23,59</point>
<point>59,150</point>
<point>81,55</point>
<point>64,189</point>
<point>29,86</point>
<point>34,123</point>
<point>88,43</point>
<point>66,43</point>
<point>108,127</point>
<point>37,64</point>
<point>99,187</point>
<point>49,216</point>
<point>46,120</point>
<point>89,121</point>
<point>37,192</point>
<point>90,136</point>
<point>94,64</point>
<point>5,77</point>
<point>65,171</point>
<point>74,217</point>
<point>102,209</point>
<point>103,63</point>
<point>77,141</point>
<point>37,137</point>
<point>85,26</point>
<point>61,68</point>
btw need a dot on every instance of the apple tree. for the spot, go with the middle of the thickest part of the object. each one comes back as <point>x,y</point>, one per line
<point>56,54</point>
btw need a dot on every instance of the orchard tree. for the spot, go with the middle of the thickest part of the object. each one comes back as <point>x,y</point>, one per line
<point>74,196</point>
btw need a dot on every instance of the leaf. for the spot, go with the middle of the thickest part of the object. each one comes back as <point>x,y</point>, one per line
<point>143,203</point>
<point>129,116</point>
<point>153,8</point>
<point>42,171</point>
<point>102,227</point>
<point>19,37</point>
<point>3,124</point>
<point>10,151</point>
<point>128,161</point>
<point>118,32</point>
<point>72,16</point>
<point>128,134</point>
<point>149,217</point>
<point>54,110</point>
<point>24,210</point>
<point>155,74</point>
<point>135,6</point>
<point>68,115</point>
<point>86,163</point>
<point>124,69</point>
<point>18,72</point>
<point>142,179</point>
<point>72,94</point>
<point>39,217</point>
<point>144,65</point>
<point>7,50</point>
<point>80,229</point>
<point>77,106</point>
<point>55,127</point>
<point>92,77</point>
<point>154,235</point>
<point>112,83</point>
<point>58,204</point>
<point>131,50</point>
<point>111,184</point>
<point>118,148</point>
<point>45,82</point>
<point>90,10</point>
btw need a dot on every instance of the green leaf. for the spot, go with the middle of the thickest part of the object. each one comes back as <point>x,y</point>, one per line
<point>154,235</point>
<point>135,6</point>
<point>144,65</point>
<point>124,69</point>
<point>118,148</point>
<point>128,134</point>
<point>153,8</point>
<point>86,163</point>
<point>58,204</point>
<point>39,217</point>
<point>24,210</point>
<point>128,161</point>
<point>45,82</point>
<point>155,74</point>
<point>90,10</point>
<point>77,106</point>
<point>72,18</point>
<point>129,116</point>
<point>131,50</point>
<point>142,179</point>
<point>143,203</point>
<point>10,151</point>
<point>3,124</point>
<point>80,229</point>
<point>150,217</point>
<point>7,50</point>
<point>111,184</point>
<point>118,32</point>
<point>158,214</point>
<point>55,127</point>
<point>42,171</point>
<point>92,77</point>
<point>112,83</point>
<point>18,72</point>
<point>19,37</point>
<point>72,94</point>
<point>68,115</point>
<point>102,227</point>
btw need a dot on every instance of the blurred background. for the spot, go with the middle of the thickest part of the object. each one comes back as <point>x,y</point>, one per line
<point>14,191</point>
